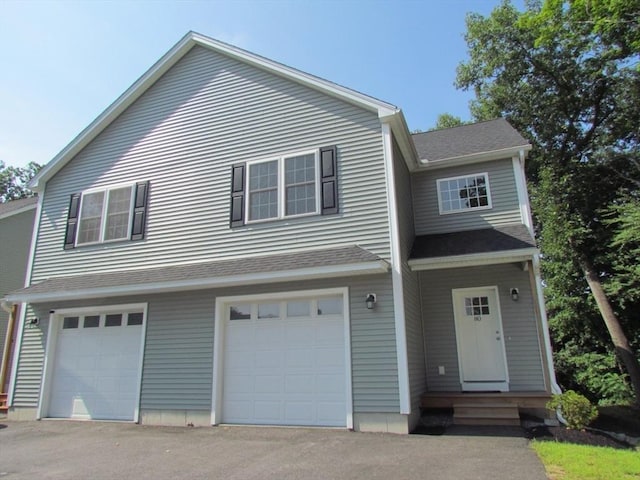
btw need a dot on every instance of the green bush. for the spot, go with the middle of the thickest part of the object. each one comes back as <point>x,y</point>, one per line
<point>576,409</point>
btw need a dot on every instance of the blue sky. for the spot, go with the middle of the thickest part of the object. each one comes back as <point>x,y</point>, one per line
<point>63,63</point>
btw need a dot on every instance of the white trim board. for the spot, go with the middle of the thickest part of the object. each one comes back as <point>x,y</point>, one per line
<point>472,260</point>
<point>311,273</point>
<point>396,274</point>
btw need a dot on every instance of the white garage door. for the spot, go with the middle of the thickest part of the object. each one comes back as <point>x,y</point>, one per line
<point>284,363</point>
<point>96,367</point>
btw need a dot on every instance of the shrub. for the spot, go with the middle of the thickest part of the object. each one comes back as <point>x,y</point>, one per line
<point>576,409</point>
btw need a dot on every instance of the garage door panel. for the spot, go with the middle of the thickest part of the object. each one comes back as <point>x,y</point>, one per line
<point>300,413</point>
<point>288,371</point>
<point>330,384</point>
<point>268,411</point>
<point>300,358</point>
<point>96,371</point>
<point>267,384</point>
<point>295,384</point>
<point>327,413</point>
<point>238,384</point>
<point>268,359</point>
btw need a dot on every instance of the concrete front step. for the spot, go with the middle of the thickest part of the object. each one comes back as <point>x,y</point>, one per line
<point>485,414</point>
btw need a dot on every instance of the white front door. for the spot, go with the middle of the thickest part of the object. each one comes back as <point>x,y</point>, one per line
<point>479,335</point>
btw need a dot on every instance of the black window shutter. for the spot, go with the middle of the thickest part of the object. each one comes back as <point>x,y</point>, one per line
<point>329,180</point>
<point>237,195</point>
<point>141,199</point>
<point>72,222</point>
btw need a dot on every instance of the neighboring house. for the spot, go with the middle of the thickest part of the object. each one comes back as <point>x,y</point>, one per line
<point>236,241</point>
<point>16,230</point>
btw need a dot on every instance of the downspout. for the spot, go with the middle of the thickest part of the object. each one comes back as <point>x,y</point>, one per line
<point>6,351</point>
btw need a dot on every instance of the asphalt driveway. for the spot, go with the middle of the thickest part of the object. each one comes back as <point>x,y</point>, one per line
<point>92,450</point>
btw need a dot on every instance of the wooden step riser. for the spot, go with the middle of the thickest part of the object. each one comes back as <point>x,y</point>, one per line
<point>496,413</point>
<point>487,421</point>
<point>487,412</point>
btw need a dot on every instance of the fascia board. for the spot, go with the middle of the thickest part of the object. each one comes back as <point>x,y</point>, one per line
<point>472,260</point>
<point>366,268</point>
<point>473,158</point>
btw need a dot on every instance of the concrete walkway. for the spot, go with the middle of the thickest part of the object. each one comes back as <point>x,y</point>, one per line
<point>92,450</point>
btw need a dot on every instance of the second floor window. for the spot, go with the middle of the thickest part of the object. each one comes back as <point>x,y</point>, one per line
<point>459,194</point>
<point>105,215</point>
<point>283,187</point>
<point>286,186</point>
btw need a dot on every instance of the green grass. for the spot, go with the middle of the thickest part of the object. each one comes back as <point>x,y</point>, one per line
<point>566,461</point>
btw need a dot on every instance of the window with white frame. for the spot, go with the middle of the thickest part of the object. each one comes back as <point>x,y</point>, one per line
<point>469,192</point>
<point>105,215</point>
<point>283,187</point>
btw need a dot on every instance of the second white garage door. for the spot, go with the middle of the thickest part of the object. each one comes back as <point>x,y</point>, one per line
<point>96,366</point>
<point>285,362</point>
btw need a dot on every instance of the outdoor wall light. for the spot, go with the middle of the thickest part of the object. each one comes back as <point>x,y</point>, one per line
<point>33,322</point>
<point>515,294</point>
<point>371,301</point>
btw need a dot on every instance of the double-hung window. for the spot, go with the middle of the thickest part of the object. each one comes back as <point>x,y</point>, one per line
<point>284,187</point>
<point>468,192</point>
<point>294,185</point>
<point>107,214</point>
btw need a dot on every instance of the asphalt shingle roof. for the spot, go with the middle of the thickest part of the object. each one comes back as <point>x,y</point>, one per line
<point>13,205</point>
<point>464,140</point>
<point>224,268</point>
<point>507,237</point>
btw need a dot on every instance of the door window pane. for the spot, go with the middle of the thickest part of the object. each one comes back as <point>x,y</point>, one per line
<point>134,318</point>
<point>113,320</point>
<point>299,309</point>
<point>91,321</point>
<point>240,312</point>
<point>70,322</point>
<point>269,310</point>
<point>330,306</point>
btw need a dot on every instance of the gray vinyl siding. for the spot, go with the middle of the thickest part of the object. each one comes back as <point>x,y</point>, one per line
<point>504,197</point>
<point>524,361</point>
<point>207,113</point>
<point>15,241</point>
<point>31,359</point>
<point>178,358</point>
<point>411,289</point>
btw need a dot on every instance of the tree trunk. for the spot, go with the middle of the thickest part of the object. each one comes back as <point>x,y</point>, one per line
<point>620,342</point>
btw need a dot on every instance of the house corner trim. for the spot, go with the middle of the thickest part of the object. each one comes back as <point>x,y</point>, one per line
<point>396,274</point>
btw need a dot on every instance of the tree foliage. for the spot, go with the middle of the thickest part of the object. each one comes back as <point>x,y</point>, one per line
<point>13,181</point>
<point>447,120</point>
<point>567,75</point>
